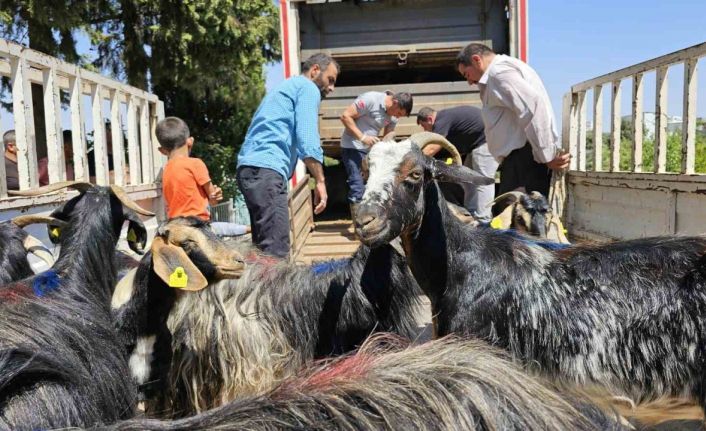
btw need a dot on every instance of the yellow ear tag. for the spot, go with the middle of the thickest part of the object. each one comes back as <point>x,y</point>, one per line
<point>449,161</point>
<point>55,232</point>
<point>496,223</point>
<point>131,236</point>
<point>178,278</point>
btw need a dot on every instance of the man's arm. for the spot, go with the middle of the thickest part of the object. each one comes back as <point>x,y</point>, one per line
<point>348,117</point>
<point>516,94</point>
<point>320,195</point>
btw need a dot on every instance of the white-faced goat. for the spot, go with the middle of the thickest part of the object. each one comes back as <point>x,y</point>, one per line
<point>15,244</point>
<point>440,385</point>
<point>241,337</point>
<point>627,315</point>
<point>60,361</point>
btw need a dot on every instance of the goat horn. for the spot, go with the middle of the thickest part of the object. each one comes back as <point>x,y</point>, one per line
<point>422,139</point>
<point>24,220</point>
<point>35,246</point>
<point>389,137</point>
<point>514,193</point>
<point>125,199</point>
<point>76,185</point>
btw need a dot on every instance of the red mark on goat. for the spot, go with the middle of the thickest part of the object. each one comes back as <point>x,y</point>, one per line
<point>14,292</point>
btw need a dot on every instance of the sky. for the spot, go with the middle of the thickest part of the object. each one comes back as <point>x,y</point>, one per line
<point>571,41</point>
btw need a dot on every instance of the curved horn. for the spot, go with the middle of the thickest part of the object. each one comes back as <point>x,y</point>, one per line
<point>24,220</point>
<point>422,139</point>
<point>125,199</point>
<point>76,185</point>
<point>389,137</point>
<point>35,246</point>
<point>514,193</point>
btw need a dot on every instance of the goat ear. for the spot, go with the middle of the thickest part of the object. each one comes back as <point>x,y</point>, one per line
<point>504,219</point>
<point>136,232</point>
<point>440,171</point>
<point>175,268</point>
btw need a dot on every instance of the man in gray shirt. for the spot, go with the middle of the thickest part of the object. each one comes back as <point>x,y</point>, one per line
<point>363,120</point>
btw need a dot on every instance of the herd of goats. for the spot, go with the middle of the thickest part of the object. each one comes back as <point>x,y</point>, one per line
<point>207,334</point>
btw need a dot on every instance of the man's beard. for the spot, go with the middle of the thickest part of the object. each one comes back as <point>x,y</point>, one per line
<point>321,84</point>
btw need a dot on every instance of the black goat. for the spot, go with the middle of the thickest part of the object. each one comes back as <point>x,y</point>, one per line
<point>15,243</point>
<point>60,361</point>
<point>440,385</point>
<point>627,315</point>
<point>239,337</point>
<point>525,213</point>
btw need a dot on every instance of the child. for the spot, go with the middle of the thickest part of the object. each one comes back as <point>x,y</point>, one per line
<point>186,185</point>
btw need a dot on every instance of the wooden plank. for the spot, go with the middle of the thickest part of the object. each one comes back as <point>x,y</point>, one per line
<point>24,124</point>
<point>637,120</point>
<point>565,121</point>
<point>132,144</point>
<point>100,149</point>
<point>116,131</point>
<point>615,128</point>
<point>582,131</point>
<point>573,131</point>
<point>78,136</point>
<point>3,179</point>
<point>146,144</point>
<point>688,149</point>
<point>598,128</point>
<point>317,239</point>
<point>301,198</point>
<point>330,251</point>
<point>156,114</point>
<point>682,55</point>
<point>661,115</point>
<point>52,119</point>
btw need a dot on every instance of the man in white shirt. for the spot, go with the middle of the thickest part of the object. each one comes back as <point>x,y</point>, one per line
<point>518,117</point>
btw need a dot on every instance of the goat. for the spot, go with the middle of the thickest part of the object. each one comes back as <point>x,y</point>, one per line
<point>628,315</point>
<point>60,361</point>
<point>528,214</point>
<point>15,243</point>
<point>440,385</point>
<point>240,337</point>
<point>144,298</point>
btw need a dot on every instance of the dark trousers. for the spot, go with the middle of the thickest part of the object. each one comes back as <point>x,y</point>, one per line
<point>353,162</point>
<point>520,170</point>
<point>265,193</point>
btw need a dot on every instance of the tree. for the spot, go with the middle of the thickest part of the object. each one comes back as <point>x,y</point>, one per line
<point>204,59</point>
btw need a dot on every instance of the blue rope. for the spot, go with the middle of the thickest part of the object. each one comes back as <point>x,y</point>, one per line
<point>329,266</point>
<point>46,282</point>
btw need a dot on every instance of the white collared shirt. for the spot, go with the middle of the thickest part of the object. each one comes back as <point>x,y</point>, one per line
<point>517,109</point>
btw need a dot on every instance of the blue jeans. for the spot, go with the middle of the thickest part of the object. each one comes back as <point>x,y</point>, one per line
<point>352,161</point>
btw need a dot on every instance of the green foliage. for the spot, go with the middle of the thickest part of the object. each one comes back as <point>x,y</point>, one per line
<point>674,151</point>
<point>204,59</point>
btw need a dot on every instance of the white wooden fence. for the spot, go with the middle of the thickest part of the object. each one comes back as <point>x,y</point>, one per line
<point>605,202</point>
<point>137,174</point>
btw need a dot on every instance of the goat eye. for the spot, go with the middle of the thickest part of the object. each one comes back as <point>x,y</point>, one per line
<point>416,175</point>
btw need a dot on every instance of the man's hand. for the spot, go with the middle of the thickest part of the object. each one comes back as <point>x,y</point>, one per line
<point>320,197</point>
<point>560,162</point>
<point>369,140</point>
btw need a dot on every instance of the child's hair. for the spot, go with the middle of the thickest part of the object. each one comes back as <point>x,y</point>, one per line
<point>172,133</point>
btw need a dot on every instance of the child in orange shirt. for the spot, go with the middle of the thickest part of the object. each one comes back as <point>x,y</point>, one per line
<point>186,185</point>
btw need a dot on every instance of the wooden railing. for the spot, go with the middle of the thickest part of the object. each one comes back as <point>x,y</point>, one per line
<point>25,67</point>
<point>301,216</point>
<point>575,119</point>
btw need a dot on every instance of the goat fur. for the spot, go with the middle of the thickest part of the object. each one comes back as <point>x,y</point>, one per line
<point>441,385</point>
<point>60,361</point>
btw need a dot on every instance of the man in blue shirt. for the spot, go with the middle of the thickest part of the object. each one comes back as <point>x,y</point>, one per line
<point>285,128</point>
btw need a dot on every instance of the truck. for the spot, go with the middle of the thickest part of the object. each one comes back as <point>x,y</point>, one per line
<point>401,45</point>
